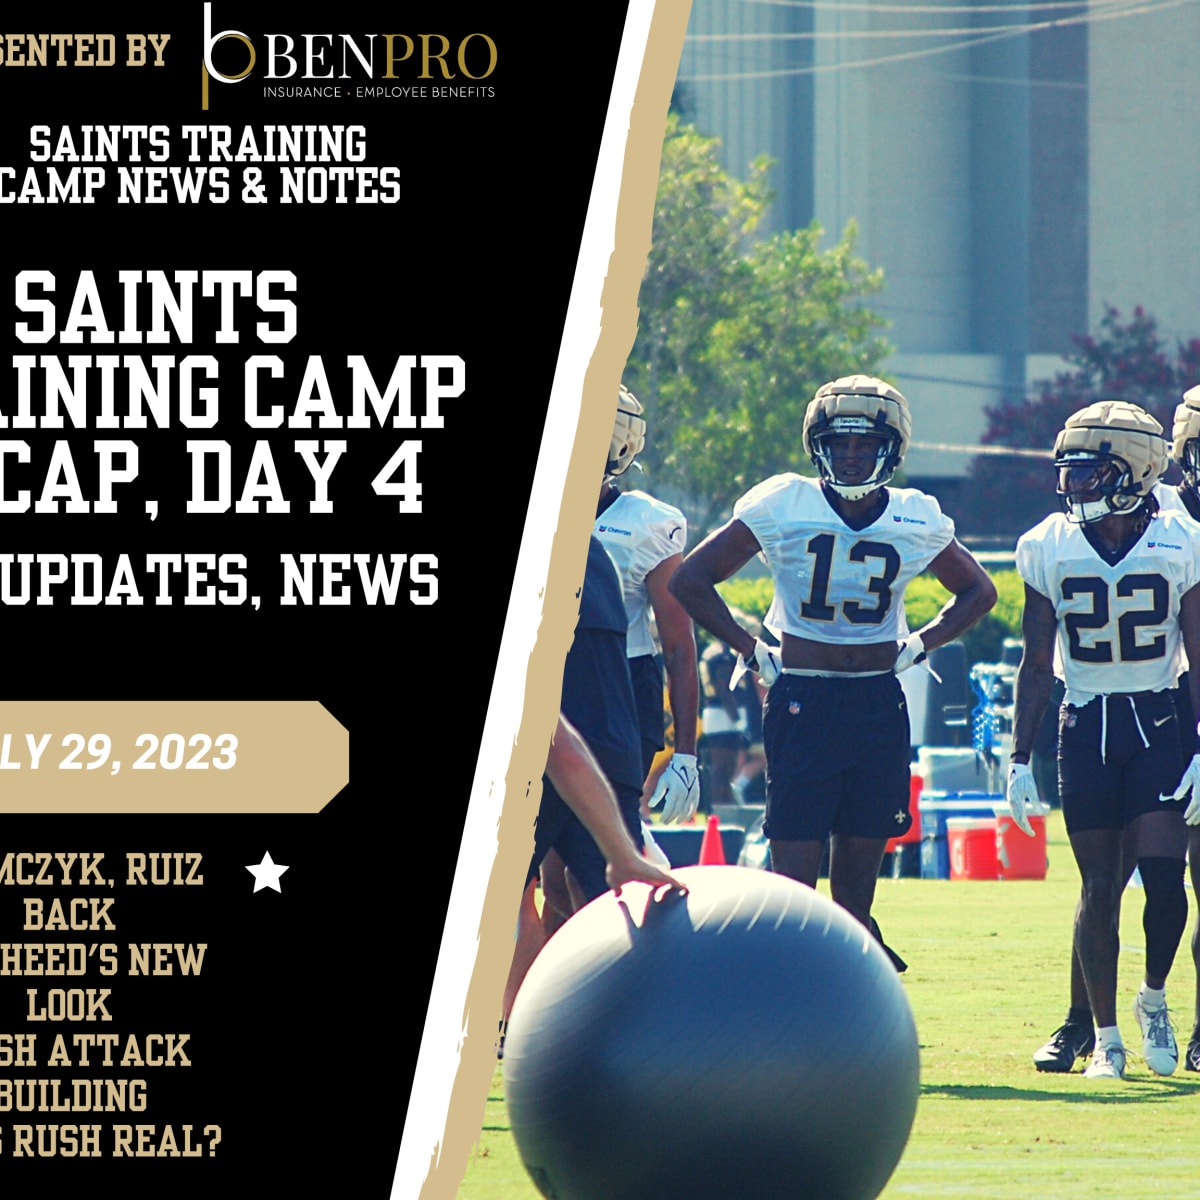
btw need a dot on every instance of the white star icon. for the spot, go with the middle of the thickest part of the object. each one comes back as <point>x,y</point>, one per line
<point>266,874</point>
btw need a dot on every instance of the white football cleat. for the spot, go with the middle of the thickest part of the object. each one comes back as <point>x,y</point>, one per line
<point>1159,1048</point>
<point>1107,1063</point>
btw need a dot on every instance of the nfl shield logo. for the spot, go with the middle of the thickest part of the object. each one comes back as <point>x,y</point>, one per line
<point>793,707</point>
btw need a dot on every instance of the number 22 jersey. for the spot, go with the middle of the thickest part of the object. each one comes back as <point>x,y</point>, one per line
<point>834,583</point>
<point>1118,615</point>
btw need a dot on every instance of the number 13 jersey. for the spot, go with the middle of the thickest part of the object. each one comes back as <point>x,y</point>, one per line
<point>834,583</point>
<point>1118,616</point>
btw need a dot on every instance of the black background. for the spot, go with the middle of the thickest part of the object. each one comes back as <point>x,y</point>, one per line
<point>306,1019</point>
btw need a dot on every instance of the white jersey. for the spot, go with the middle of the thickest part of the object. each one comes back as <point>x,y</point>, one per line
<point>1118,621</point>
<point>1169,499</point>
<point>834,583</point>
<point>639,532</point>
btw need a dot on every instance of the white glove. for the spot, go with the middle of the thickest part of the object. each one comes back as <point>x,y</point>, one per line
<point>912,651</point>
<point>678,789</point>
<point>767,663</point>
<point>1189,783</point>
<point>1023,797</point>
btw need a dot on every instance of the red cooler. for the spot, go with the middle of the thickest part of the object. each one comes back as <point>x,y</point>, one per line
<point>1019,856</point>
<point>972,844</point>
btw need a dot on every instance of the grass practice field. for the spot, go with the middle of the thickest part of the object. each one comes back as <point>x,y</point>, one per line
<point>987,980</point>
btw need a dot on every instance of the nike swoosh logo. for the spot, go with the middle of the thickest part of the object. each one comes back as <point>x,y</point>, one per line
<point>1159,724</point>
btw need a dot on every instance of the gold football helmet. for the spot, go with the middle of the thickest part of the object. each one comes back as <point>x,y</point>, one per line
<point>629,434</point>
<point>1185,438</point>
<point>858,404</point>
<point>1108,456</point>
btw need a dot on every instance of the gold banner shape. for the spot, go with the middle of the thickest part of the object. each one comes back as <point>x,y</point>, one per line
<point>103,756</point>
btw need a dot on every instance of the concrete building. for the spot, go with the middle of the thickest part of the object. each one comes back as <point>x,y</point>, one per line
<point>1012,168</point>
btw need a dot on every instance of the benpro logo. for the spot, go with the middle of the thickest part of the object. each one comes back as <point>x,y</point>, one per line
<point>334,56</point>
<point>211,39</point>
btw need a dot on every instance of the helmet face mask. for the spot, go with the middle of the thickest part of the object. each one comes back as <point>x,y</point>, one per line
<point>856,430</point>
<point>1189,464</point>
<point>1093,486</point>
<point>853,457</point>
<point>1185,438</point>
<point>1108,458</point>
<point>628,436</point>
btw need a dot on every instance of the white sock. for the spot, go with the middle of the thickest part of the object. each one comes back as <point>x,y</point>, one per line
<point>1152,998</point>
<point>1108,1036</point>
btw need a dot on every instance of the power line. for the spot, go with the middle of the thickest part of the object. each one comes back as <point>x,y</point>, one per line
<point>1116,11</point>
<point>848,34</point>
<point>936,9</point>
<point>1010,451</point>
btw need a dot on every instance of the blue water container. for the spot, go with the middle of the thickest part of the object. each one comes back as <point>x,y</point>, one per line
<point>936,808</point>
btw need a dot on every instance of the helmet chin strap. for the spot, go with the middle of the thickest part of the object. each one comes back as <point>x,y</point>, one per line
<point>854,491</point>
<point>880,476</point>
<point>1084,512</point>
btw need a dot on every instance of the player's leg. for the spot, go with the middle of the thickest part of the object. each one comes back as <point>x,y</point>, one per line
<point>1161,845</point>
<point>1075,1038</point>
<point>724,755</point>
<point>1091,784</point>
<point>552,819</point>
<point>530,939</point>
<point>853,871</point>
<point>1187,721</point>
<point>1098,856</point>
<point>799,860</point>
<point>1161,840</point>
<point>1192,1054</point>
<point>874,804</point>
<point>557,904</point>
<point>803,777</point>
<point>752,764</point>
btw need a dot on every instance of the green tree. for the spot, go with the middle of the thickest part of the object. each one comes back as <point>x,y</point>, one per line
<point>1123,360</point>
<point>736,333</point>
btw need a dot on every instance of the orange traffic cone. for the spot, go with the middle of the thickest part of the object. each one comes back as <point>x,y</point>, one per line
<point>712,849</point>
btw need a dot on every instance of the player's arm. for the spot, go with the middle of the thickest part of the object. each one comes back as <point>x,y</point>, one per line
<point>1035,681</point>
<point>1189,630</point>
<point>1035,675</point>
<point>694,583</point>
<point>576,775</point>
<point>677,636</point>
<point>972,594</point>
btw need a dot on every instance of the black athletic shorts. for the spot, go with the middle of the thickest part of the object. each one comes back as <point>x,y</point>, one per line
<point>647,678</point>
<point>1187,720</point>
<point>559,828</point>
<point>1107,773</point>
<point>837,757</point>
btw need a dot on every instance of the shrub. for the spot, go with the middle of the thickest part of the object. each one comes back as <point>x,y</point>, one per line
<point>924,596</point>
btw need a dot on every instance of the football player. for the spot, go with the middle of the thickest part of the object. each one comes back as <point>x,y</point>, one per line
<point>1111,603</point>
<point>1185,450</point>
<point>645,539</point>
<point>1075,1038</point>
<point>598,702</point>
<point>841,549</point>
